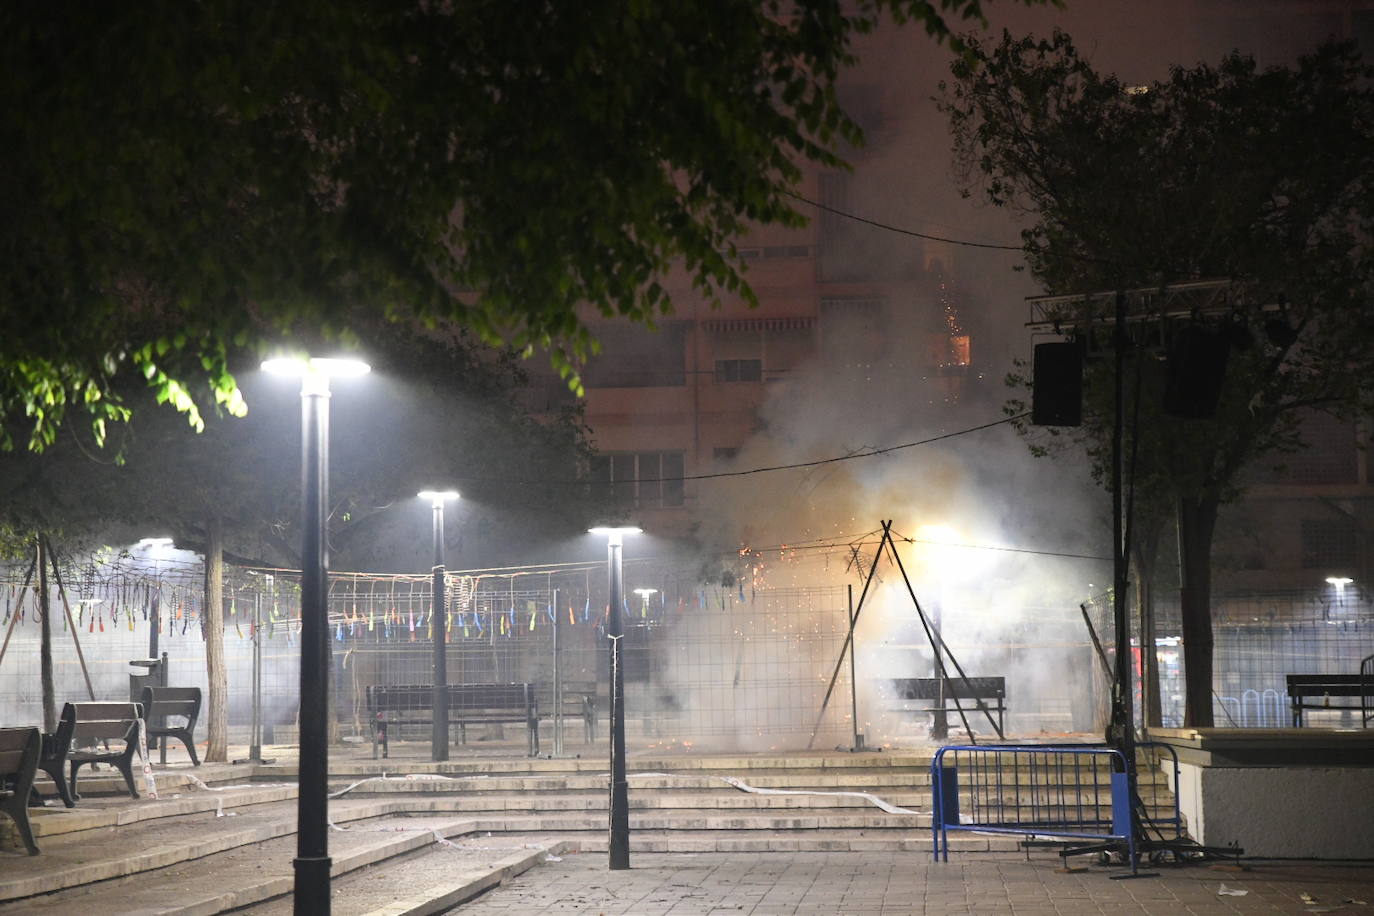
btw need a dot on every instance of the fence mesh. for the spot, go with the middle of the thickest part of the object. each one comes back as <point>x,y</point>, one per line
<point>1259,638</point>
<point>744,664</point>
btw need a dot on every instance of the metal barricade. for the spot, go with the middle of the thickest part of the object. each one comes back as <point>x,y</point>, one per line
<point>1070,792</point>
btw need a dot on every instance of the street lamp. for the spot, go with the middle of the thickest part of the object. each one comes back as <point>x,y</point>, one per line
<point>437,618</point>
<point>311,890</point>
<point>615,629</point>
<point>644,595</point>
<point>154,548</point>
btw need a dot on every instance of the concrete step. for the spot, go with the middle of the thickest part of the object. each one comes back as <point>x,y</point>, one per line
<point>809,841</point>
<point>674,782</point>
<point>663,782</point>
<point>826,807</point>
<point>96,813</point>
<point>430,880</point>
<point>77,858</point>
<point>242,875</point>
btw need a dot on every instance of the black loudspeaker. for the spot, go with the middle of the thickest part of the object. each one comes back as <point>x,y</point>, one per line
<point>1197,368</point>
<point>1057,385</point>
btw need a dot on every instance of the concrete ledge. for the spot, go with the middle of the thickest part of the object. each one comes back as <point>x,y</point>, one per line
<point>281,885</point>
<point>50,873</point>
<point>470,883</point>
<point>1238,747</point>
<point>1277,793</point>
<point>56,821</point>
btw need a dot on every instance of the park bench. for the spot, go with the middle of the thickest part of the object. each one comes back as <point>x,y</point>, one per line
<point>163,703</point>
<point>932,694</point>
<point>468,704</point>
<point>1315,691</point>
<point>579,702</point>
<point>19,748</point>
<point>52,758</point>
<point>81,731</point>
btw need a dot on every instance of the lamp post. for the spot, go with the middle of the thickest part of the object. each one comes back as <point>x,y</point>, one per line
<point>154,548</point>
<point>644,595</point>
<point>437,621</point>
<point>615,629</point>
<point>311,890</point>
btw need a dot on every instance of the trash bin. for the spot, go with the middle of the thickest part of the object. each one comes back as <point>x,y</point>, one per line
<point>155,676</point>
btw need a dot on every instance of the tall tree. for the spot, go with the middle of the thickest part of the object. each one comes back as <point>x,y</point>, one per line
<point>180,174</point>
<point>1262,176</point>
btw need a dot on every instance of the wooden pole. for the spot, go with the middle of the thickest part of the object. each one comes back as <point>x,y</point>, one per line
<point>216,676</point>
<point>18,606</point>
<point>71,622</point>
<point>45,641</point>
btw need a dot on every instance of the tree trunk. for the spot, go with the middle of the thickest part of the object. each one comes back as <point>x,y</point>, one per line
<point>1146,555</point>
<point>218,718</point>
<point>45,671</point>
<point>1197,520</point>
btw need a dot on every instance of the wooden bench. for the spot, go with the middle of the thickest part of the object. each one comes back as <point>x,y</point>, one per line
<point>19,749</point>
<point>579,702</point>
<point>932,694</point>
<point>162,703</point>
<point>92,724</point>
<point>52,759</point>
<point>1315,691</point>
<point>468,704</point>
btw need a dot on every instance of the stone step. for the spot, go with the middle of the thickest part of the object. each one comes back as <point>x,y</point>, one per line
<point>93,813</point>
<point>430,880</point>
<point>741,804</point>
<point>808,841</point>
<point>247,874</point>
<point>77,858</point>
<point>670,784</point>
<point>534,785</point>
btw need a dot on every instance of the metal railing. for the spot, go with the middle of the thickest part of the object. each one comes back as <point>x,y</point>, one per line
<point>1069,792</point>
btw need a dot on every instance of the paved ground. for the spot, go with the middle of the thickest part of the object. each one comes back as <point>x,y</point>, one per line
<point>859,884</point>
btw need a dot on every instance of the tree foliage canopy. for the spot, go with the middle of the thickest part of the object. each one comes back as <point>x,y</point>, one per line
<point>1264,177</point>
<point>436,411</point>
<point>183,177</point>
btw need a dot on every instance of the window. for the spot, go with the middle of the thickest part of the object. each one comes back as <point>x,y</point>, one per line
<point>739,370</point>
<point>646,480</point>
<point>854,331</point>
<point>1329,455</point>
<point>633,356</point>
<point>1330,544</point>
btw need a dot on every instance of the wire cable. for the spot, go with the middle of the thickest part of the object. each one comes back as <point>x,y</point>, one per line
<point>834,459</point>
<point>898,229</point>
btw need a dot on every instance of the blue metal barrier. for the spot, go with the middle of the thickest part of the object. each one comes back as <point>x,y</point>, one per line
<point>1073,792</point>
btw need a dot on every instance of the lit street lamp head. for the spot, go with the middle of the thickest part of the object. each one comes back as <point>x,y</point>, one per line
<point>615,535</point>
<point>438,497</point>
<point>316,371</point>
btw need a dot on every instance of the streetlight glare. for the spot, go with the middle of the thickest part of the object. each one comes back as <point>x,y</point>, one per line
<point>1339,581</point>
<point>152,543</point>
<point>615,533</point>
<point>438,497</point>
<point>332,367</point>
